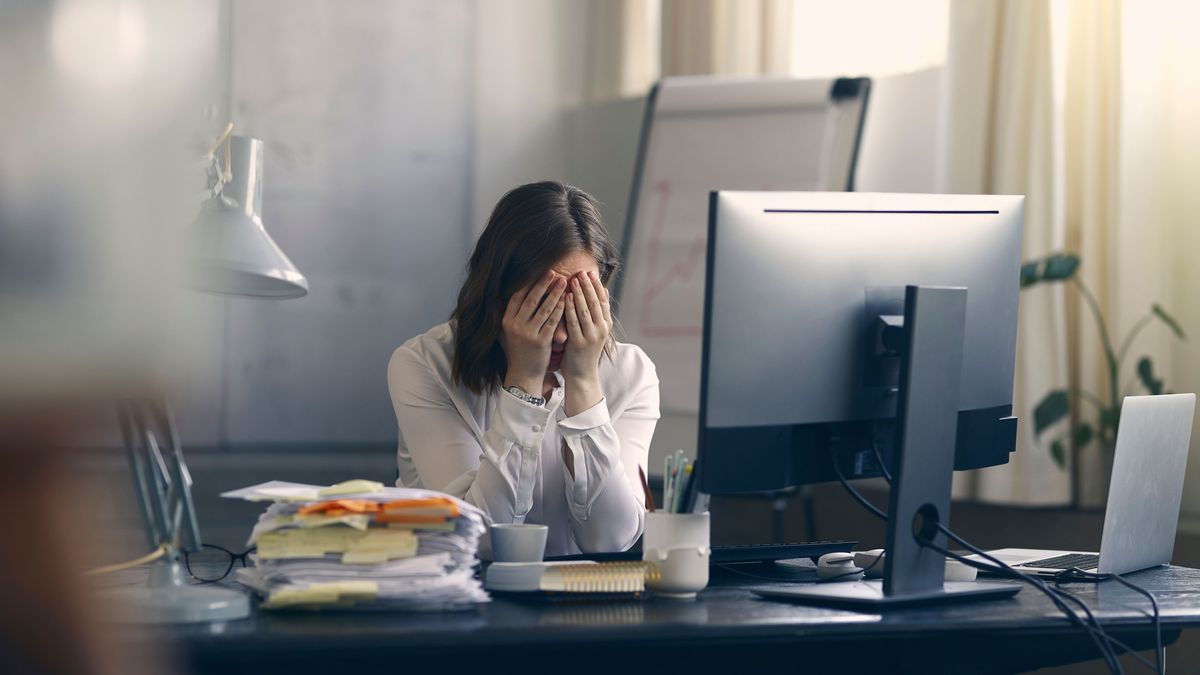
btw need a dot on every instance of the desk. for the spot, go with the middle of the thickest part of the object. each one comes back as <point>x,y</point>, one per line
<point>726,630</point>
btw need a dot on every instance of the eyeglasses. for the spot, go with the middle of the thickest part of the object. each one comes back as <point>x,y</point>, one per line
<point>213,563</point>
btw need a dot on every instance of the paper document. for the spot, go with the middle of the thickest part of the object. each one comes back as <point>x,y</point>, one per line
<point>359,544</point>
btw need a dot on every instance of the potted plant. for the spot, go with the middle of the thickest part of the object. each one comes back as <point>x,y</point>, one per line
<point>1094,417</point>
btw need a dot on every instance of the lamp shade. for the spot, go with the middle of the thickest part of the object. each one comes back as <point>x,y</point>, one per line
<point>229,249</point>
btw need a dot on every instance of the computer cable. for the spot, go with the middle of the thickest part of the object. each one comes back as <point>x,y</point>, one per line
<point>1107,654</point>
<point>1100,637</point>
<point>837,469</point>
<point>1075,574</point>
<point>1160,656</point>
<point>887,475</point>
<point>1092,626</point>
<point>148,558</point>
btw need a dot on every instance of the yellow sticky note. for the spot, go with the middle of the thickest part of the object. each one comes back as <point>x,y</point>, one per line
<point>350,487</point>
<point>357,520</point>
<point>330,593</point>
<point>364,557</point>
<point>316,542</point>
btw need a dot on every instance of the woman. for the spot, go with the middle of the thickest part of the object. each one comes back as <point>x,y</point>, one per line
<point>523,404</point>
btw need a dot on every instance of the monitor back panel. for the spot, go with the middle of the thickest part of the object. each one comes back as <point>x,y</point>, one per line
<point>797,280</point>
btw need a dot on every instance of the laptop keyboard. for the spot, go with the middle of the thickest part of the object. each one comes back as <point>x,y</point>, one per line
<point>1084,561</point>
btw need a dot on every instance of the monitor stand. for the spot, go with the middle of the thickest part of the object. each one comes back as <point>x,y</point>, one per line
<point>926,435</point>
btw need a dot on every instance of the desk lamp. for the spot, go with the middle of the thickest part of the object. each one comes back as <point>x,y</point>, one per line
<point>231,254</point>
<point>232,251</point>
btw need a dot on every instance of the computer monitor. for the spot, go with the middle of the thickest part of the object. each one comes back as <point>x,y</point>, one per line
<point>839,322</point>
<point>804,292</point>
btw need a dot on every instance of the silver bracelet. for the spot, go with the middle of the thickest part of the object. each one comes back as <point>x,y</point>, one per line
<point>520,393</point>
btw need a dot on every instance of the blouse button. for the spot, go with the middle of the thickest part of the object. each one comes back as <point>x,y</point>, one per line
<point>537,427</point>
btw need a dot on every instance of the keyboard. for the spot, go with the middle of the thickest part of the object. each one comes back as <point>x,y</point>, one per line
<point>741,553</point>
<point>1084,561</point>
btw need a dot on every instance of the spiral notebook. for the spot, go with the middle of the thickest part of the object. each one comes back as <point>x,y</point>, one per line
<point>598,579</point>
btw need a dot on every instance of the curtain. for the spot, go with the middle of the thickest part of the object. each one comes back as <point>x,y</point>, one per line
<point>631,43</point>
<point>1001,139</point>
<point>1158,233</point>
<point>726,37</point>
<point>1088,108</point>
<point>623,48</point>
<point>1091,109</point>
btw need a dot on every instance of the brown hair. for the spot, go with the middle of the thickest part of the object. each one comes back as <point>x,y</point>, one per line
<point>532,227</point>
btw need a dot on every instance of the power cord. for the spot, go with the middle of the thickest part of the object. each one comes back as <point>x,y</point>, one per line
<point>1066,575</point>
<point>1099,636</point>
<point>1105,652</point>
<point>149,557</point>
<point>1075,573</point>
<point>1104,642</point>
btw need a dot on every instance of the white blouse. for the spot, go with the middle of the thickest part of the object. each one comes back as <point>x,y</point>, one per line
<point>502,454</point>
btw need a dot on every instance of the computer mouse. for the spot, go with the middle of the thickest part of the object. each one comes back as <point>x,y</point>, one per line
<point>838,567</point>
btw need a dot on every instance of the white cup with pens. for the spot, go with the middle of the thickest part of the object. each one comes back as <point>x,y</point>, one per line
<point>676,541</point>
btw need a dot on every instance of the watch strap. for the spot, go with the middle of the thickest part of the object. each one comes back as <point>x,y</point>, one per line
<point>528,398</point>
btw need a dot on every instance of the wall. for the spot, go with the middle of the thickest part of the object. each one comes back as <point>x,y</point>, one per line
<point>529,68</point>
<point>366,109</point>
<point>391,129</point>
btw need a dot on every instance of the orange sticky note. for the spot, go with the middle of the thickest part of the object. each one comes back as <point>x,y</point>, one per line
<point>340,507</point>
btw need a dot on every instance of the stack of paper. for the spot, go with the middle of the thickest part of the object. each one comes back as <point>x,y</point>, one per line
<point>359,544</point>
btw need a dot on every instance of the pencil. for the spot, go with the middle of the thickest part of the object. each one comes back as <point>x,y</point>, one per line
<point>646,490</point>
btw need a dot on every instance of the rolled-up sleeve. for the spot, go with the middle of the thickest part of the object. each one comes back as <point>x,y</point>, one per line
<point>605,496</point>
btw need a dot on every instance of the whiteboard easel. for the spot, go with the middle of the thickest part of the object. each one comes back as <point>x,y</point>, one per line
<point>707,133</point>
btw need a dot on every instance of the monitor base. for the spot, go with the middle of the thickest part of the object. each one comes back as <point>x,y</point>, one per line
<point>869,595</point>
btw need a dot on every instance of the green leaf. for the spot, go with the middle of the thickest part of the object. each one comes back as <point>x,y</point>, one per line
<point>1169,320</point>
<point>1084,435</point>
<point>1145,371</point>
<point>1053,408</point>
<point>1058,450</point>
<point>1109,419</point>
<point>1060,266</point>
<point>1029,273</point>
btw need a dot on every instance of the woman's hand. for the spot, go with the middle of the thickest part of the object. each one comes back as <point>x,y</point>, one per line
<point>589,323</point>
<point>528,328</point>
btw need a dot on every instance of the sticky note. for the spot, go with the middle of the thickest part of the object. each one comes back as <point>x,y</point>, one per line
<point>349,487</point>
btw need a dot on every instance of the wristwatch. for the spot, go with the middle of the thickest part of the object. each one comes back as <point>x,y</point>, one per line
<point>520,393</point>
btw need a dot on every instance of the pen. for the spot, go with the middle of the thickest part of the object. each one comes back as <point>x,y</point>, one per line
<point>676,477</point>
<point>646,490</point>
<point>689,495</point>
<point>667,461</point>
<point>685,482</point>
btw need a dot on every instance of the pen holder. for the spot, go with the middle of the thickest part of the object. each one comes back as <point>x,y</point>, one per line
<point>677,543</point>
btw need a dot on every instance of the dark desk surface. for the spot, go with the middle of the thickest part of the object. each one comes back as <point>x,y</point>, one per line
<point>726,625</point>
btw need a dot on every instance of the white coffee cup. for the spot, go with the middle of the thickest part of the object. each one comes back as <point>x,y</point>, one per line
<point>677,543</point>
<point>518,542</point>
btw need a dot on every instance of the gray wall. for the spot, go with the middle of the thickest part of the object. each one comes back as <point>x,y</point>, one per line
<point>366,111</point>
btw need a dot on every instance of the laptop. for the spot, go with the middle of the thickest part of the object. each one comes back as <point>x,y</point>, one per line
<point>1143,494</point>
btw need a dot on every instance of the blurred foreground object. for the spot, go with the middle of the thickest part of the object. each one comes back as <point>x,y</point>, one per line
<point>103,115</point>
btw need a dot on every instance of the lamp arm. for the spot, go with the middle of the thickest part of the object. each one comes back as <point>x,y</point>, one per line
<point>186,526</point>
<point>212,150</point>
<point>137,464</point>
